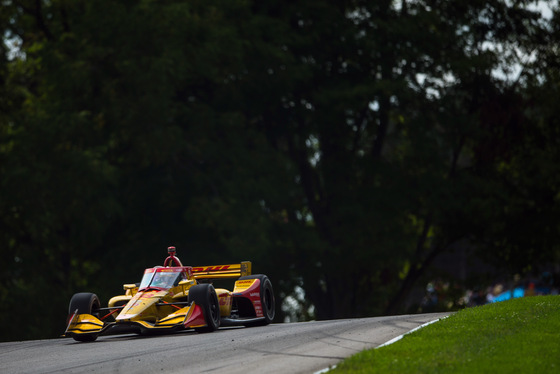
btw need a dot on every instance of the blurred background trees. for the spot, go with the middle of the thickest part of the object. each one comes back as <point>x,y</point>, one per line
<point>342,146</point>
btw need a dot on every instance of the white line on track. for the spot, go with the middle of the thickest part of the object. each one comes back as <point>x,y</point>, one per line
<point>409,332</point>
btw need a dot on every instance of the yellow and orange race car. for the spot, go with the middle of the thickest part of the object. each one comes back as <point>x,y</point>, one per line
<point>174,297</point>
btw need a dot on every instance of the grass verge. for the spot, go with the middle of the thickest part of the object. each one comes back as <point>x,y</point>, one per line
<point>520,335</point>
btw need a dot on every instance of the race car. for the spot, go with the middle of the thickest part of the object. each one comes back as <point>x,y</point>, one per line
<point>174,297</point>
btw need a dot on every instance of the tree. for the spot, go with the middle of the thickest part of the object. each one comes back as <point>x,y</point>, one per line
<point>384,121</point>
<point>340,146</point>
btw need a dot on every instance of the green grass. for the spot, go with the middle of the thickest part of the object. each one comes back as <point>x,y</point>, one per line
<point>517,336</point>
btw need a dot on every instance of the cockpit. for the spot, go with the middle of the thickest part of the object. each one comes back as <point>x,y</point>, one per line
<point>162,278</point>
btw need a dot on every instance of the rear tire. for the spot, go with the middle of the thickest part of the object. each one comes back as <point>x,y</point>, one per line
<point>205,296</point>
<point>268,303</point>
<point>84,303</point>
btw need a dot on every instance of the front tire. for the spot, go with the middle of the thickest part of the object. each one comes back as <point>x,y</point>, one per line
<point>205,296</point>
<point>84,303</point>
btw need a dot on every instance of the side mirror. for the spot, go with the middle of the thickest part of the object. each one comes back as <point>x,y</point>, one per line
<point>187,283</point>
<point>130,289</point>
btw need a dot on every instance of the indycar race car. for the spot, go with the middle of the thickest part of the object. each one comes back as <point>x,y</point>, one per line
<point>174,297</point>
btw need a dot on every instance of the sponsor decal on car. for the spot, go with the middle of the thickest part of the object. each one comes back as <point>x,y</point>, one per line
<point>210,268</point>
<point>258,309</point>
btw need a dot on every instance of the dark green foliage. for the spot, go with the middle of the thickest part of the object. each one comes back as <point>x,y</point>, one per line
<point>340,146</point>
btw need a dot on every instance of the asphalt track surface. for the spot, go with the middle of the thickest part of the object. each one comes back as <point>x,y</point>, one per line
<point>304,347</point>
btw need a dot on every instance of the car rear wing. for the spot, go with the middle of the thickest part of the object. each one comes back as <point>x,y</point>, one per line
<point>222,271</point>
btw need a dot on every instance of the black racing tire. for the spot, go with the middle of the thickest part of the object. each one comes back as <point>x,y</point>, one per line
<point>268,302</point>
<point>84,303</point>
<point>205,296</point>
